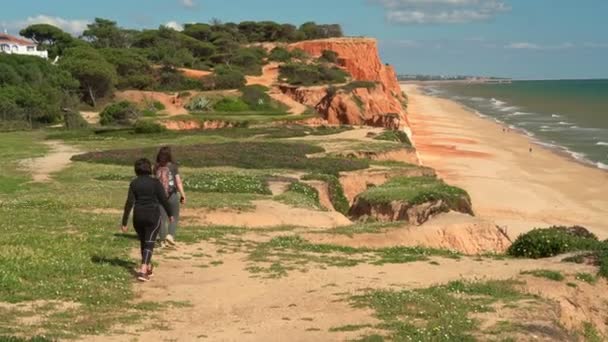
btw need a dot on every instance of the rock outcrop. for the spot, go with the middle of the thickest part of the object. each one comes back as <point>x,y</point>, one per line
<point>379,106</point>
<point>415,214</point>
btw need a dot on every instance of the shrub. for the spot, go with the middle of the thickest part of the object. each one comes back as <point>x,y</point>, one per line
<point>148,127</point>
<point>73,120</point>
<point>198,104</point>
<point>395,135</point>
<point>543,243</point>
<point>158,106</point>
<point>301,195</point>
<point>256,98</point>
<point>311,74</point>
<point>231,104</point>
<point>121,113</point>
<point>329,56</point>
<point>299,54</point>
<point>225,78</point>
<point>360,84</point>
<point>548,274</point>
<point>279,54</point>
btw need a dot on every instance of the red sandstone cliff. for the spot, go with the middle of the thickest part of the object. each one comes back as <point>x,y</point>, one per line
<point>359,56</point>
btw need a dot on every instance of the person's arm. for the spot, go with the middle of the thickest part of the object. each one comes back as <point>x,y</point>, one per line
<point>180,185</point>
<point>161,195</point>
<point>128,206</point>
<point>180,188</point>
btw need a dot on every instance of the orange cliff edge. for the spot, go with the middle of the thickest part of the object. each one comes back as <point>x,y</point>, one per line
<point>360,57</point>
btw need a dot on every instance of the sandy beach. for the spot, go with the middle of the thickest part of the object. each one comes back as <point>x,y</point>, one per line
<point>510,185</point>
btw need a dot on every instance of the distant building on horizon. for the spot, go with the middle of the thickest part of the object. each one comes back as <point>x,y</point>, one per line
<point>19,46</point>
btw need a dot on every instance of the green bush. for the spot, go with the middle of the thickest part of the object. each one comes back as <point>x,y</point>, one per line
<point>198,104</point>
<point>148,127</point>
<point>299,54</point>
<point>359,84</point>
<point>231,104</point>
<point>395,135</point>
<point>256,98</point>
<point>301,195</point>
<point>159,106</point>
<point>225,78</point>
<point>280,54</point>
<point>73,120</point>
<point>336,191</point>
<point>121,113</point>
<point>329,56</point>
<point>543,243</point>
<point>311,74</point>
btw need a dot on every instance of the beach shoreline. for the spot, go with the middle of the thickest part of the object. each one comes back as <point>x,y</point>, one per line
<point>512,178</point>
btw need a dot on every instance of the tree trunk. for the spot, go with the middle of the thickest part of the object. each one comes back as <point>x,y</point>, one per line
<point>92,96</point>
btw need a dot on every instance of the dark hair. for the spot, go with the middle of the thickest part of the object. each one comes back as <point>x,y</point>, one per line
<point>143,167</point>
<point>164,156</point>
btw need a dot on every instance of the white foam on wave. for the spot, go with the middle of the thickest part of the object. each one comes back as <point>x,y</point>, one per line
<point>602,166</point>
<point>556,116</point>
<point>601,143</point>
<point>519,114</point>
<point>477,99</point>
<point>564,123</point>
<point>508,109</point>
<point>497,103</point>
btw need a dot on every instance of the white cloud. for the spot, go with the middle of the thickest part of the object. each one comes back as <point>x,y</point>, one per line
<point>174,25</point>
<point>593,45</point>
<point>188,3</point>
<point>533,46</point>
<point>441,11</point>
<point>74,26</point>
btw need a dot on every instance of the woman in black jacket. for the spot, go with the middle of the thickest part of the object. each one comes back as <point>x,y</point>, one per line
<point>145,195</point>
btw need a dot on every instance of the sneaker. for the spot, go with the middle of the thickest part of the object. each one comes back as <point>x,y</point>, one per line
<point>169,239</point>
<point>143,277</point>
<point>150,271</point>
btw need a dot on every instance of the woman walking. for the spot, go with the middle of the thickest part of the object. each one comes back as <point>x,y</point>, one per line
<point>146,195</point>
<point>167,173</point>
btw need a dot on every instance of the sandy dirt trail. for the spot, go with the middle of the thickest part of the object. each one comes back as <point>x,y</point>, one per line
<point>58,158</point>
<point>508,184</point>
<point>227,303</point>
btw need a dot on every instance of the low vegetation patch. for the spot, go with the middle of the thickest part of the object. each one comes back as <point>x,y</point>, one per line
<point>336,192</point>
<point>248,155</point>
<point>301,195</point>
<point>395,135</point>
<point>438,313</point>
<point>148,127</point>
<point>548,274</point>
<point>225,182</point>
<point>543,243</point>
<point>121,113</point>
<point>415,190</point>
<point>359,85</point>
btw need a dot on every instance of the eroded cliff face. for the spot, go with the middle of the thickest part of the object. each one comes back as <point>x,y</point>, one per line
<point>378,106</point>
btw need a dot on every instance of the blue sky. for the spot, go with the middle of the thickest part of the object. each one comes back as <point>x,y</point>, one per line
<point>511,38</point>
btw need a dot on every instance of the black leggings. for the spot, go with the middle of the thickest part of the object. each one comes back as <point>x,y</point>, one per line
<point>147,225</point>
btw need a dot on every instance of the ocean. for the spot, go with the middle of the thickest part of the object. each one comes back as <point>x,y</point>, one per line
<point>566,115</point>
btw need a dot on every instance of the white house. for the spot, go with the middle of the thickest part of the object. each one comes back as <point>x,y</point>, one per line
<point>19,46</point>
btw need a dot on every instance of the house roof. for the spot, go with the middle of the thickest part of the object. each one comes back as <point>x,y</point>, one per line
<point>15,40</point>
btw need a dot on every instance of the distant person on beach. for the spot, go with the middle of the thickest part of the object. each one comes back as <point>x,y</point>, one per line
<point>146,195</point>
<point>167,173</point>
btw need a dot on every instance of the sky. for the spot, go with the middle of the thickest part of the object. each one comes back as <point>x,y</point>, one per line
<point>523,39</point>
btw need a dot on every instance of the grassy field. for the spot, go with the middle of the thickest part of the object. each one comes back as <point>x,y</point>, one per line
<point>66,270</point>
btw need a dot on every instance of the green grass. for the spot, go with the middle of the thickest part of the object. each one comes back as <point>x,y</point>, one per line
<point>247,155</point>
<point>439,313</point>
<point>547,274</point>
<point>590,333</point>
<point>223,182</point>
<point>586,277</point>
<point>542,243</point>
<point>289,253</point>
<point>335,189</point>
<point>417,190</point>
<point>395,135</point>
<point>300,195</point>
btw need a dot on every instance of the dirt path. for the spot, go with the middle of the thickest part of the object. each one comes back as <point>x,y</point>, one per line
<point>226,302</point>
<point>56,160</point>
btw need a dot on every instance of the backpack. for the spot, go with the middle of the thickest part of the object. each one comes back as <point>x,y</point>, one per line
<point>166,178</point>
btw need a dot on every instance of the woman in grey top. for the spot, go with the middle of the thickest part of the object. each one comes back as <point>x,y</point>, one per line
<point>167,172</point>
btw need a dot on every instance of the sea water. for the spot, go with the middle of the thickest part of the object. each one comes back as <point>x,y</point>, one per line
<point>568,115</point>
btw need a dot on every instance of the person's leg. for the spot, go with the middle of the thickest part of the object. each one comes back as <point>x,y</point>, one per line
<point>151,233</point>
<point>174,203</point>
<point>164,229</point>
